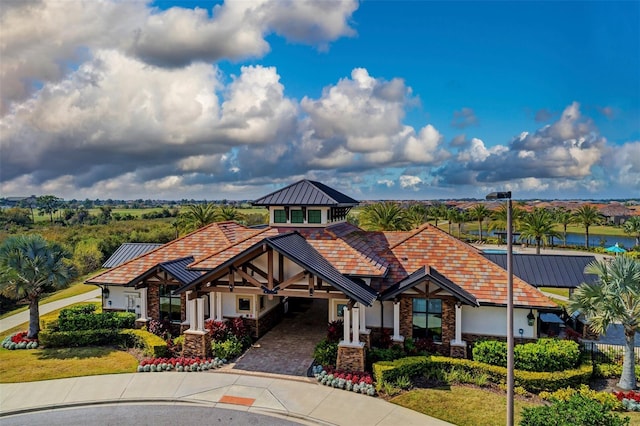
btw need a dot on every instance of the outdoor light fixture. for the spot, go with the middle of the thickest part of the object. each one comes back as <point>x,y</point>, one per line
<point>507,196</point>
<point>531,318</point>
<point>311,292</point>
<point>105,292</point>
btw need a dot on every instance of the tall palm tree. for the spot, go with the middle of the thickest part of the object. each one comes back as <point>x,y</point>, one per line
<point>29,267</point>
<point>564,218</point>
<point>538,224</point>
<point>417,214</point>
<point>387,216</point>
<point>196,216</point>
<point>479,212</point>
<point>225,213</point>
<point>632,227</point>
<point>613,298</point>
<point>452,213</point>
<point>459,217</point>
<point>586,216</point>
<point>438,211</point>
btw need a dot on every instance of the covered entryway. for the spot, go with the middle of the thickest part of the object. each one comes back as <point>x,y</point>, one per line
<point>288,347</point>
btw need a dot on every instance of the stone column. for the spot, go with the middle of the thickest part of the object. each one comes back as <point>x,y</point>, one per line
<point>346,314</point>
<point>396,323</point>
<point>200,313</point>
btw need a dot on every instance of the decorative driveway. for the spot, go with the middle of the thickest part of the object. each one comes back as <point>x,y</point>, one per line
<point>288,347</point>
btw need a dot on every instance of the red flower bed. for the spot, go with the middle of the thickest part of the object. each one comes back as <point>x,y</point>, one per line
<point>631,395</point>
<point>21,337</point>
<point>354,376</point>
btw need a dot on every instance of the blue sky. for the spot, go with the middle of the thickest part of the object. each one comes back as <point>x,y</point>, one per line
<point>380,99</point>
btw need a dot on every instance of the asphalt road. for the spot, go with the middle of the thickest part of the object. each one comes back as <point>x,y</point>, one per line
<point>139,415</point>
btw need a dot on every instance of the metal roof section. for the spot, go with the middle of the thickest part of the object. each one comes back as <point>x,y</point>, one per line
<point>128,251</point>
<point>299,250</point>
<point>178,269</point>
<point>421,275</point>
<point>306,193</point>
<point>548,270</point>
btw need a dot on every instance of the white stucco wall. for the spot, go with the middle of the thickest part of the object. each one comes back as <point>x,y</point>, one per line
<point>268,304</point>
<point>492,321</point>
<point>118,296</point>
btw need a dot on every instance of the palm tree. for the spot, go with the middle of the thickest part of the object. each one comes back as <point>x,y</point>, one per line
<point>438,211</point>
<point>225,213</point>
<point>417,215</point>
<point>198,215</point>
<point>452,213</point>
<point>586,216</point>
<point>459,217</point>
<point>387,216</point>
<point>564,218</point>
<point>538,224</point>
<point>29,267</point>
<point>613,298</point>
<point>632,227</point>
<point>479,212</point>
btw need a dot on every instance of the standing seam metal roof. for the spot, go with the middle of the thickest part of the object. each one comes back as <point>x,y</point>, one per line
<point>128,251</point>
<point>548,270</point>
<point>178,269</point>
<point>306,193</point>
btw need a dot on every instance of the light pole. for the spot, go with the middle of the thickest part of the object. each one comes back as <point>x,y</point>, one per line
<point>507,196</point>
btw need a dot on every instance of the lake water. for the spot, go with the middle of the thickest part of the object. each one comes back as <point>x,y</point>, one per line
<point>578,240</point>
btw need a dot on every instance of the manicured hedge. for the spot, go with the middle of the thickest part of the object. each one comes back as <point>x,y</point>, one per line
<point>83,318</point>
<point>151,344</point>
<point>531,381</point>
<point>542,355</point>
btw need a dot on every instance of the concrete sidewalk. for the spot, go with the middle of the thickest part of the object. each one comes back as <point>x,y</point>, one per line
<point>301,400</point>
<point>22,317</point>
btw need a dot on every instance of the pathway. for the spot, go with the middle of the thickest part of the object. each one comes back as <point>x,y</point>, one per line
<point>288,347</point>
<point>22,317</point>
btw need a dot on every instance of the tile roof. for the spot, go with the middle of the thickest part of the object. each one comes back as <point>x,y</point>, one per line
<point>462,264</point>
<point>198,244</point>
<point>548,270</point>
<point>306,193</point>
<point>128,251</point>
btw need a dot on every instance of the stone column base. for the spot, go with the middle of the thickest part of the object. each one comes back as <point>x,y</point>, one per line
<point>141,322</point>
<point>196,343</point>
<point>458,350</point>
<point>351,356</point>
<point>365,337</point>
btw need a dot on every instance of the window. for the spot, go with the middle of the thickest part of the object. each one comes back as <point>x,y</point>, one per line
<point>169,304</point>
<point>243,304</point>
<point>427,319</point>
<point>314,216</point>
<point>279,216</point>
<point>296,216</point>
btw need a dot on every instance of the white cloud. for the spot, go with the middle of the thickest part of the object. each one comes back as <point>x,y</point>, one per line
<point>410,182</point>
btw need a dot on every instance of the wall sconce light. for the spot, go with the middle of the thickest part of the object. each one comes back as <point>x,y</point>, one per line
<point>231,288</point>
<point>109,303</point>
<point>311,292</point>
<point>530,317</point>
<point>105,292</point>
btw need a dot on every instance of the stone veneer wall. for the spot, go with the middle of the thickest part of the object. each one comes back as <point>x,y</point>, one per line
<point>153,302</point>
<point>448,324</point>
<point>196,344</point>
<point>406,317</point>
<point>269,320</point>
<point>351,358</point>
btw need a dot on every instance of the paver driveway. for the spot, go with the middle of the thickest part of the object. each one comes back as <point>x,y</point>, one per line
<point>288,347</point>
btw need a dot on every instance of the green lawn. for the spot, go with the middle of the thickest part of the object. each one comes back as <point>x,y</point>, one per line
<point>558,291</point>
<point>468,406</point>
<point>46,364</point>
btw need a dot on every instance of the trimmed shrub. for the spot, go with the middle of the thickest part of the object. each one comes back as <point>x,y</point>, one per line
<point>326,353</point>
<point>151,345</point>
<point>83,317</point>
<point>534,382</point>
<point>543,355</point>
<point>577,410</point>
